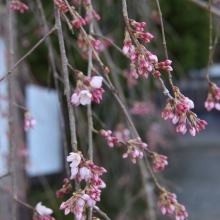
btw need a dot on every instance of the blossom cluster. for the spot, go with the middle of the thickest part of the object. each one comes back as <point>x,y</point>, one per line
<point>84,45</point>
<point>78,20</point>
<point>133,150</point>
<point>139,108</point>
<point>94,14</point>
<point>29,121</point>
<point>178,109</point>
<point>110,139</point>
<point>82,169</point>
<point>144,61</point>
<point>62,6</point>
<point>42,212</point>
<point>213,98</point>
<point>18,6</point>
<point>169,205</point>
<point>87,90</point>
<point>67,187</point>
<point>159,162</point>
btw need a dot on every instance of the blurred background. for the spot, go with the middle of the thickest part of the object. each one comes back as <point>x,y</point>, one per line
<point>194,162</point>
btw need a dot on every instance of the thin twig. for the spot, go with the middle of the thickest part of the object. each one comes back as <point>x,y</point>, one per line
<point>68,22</point>
<point>3,176</point>
<point>24,204</point>
<point>210,42</point>
<point>112,43</point>
<point>104,215</point>
<point>202,4</point>
<point>164,40</point>
<point>28,53</point>
<point>211,53</point>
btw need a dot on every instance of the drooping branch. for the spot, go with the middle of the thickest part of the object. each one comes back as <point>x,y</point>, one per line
<point>66,80</point>
<point>164,40</point>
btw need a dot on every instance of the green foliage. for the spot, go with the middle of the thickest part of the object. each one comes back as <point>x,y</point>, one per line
<point>191,24</point>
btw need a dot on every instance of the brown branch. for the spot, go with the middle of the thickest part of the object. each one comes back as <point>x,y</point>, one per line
<point>3,176</point>
<point>28,53</point>
<point>112,43</point>
<point>164,40</point>
<point>210,42</point>
<point>24,204</point>
<point>211,53</point>
<point>66,80</point>
<point>96,208</point>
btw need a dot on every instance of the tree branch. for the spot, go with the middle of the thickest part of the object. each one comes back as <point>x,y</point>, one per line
<point>66,80</point>
<point>28,53</point>
<point>96,208</point>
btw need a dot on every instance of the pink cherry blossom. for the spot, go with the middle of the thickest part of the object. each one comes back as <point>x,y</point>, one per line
<point>18,6</point>
<point>29,121</point>
<point>159,162</point>
<point>75,99</point>
<point>107,135</point>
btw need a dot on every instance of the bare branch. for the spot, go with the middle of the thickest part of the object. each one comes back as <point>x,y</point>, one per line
<point>28,53</point>
<point>96,208</point>
<point>3,176</point>
<point>66,80</point>
<point>24,204</point>
<point>112,43</point>
<point>164,40</point>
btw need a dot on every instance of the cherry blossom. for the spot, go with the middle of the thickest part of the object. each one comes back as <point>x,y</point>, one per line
<point>107,135</point>
<point>67,187</point>
<point>159,162</point>
<point>85,97</point>
<point>178,109</point>
<point>96,82</point>
<point>76,205</point>
<point>62,6</point>
<point>213,98</point>
<point>18,6</point>
<point>87,90</point>
<point>132,149</point>
<point>74,158</point>
<point>29,121</point>
<point>169,205</point>
<point>85,43</point>
<point>43,210</point>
